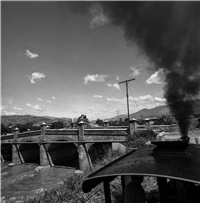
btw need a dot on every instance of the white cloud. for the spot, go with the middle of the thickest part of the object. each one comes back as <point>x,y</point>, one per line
<point>31,55</point>
<point>98,96</point>
<point>115,85</point>
<point>36,76</point>
<point>39,99</point>
<point>49,101</point>
<point>156,78</point>
<point>148,99</point>
<point>8,113</point>
<point>117,77</point>
<point>119,100</point>
<point>3,107</point>
<point>136,71</point>
<point>99,18</point>
<point>53,97</point>
<point>94,78</point>
<point>36,107</point>
<point>16,108</point>
<point>141,100</point>
<point>157,99</point>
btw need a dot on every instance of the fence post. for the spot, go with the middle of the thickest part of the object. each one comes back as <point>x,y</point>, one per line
<point>81,131</point>
<point>147,123</point>
<point>106,123</point>
<point>82,153</point>
<point>43,128</point>
<point>16,131</point>
<point>133,127</point>
<point>43,155</point>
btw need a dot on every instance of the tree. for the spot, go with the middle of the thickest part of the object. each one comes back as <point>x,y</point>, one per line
<point>164,120</point>
<point>100,122</point>
<point>84,119</point>
<point>57,125</point>
<point>3,129</point>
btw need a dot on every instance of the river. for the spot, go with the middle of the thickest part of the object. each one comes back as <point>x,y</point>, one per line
<point>26,180</point>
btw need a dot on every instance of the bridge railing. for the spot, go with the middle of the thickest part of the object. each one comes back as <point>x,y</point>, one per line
<point>29,134</point>
<point>98,133</point>
<point>61,132</point>
<point>76,134</point>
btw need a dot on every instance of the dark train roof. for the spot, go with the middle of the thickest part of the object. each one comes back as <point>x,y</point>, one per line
<point>170,159</point>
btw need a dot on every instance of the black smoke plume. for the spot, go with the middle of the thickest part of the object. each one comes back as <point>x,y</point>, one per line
<point>168,33</point>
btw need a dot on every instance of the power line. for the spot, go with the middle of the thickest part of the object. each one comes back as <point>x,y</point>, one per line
<point>27,46</point>
<point>54,43</point>
<point>137,105</point>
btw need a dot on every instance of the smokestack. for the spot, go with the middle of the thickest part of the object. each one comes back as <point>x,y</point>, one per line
<point>167,32</point>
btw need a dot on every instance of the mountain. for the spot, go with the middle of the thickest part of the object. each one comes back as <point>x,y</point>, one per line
<point>155,112</point>
<point>22,119</point>
<point>146,113</point>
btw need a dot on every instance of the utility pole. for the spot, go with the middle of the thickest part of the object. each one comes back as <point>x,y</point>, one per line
<point>127,81</point>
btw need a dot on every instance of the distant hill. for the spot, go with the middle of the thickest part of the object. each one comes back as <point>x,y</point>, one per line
<point>22,119</point>
<point>154,112</point>
<point>146,113</point>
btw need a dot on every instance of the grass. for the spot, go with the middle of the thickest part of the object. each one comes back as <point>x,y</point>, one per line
<point>71,189</point>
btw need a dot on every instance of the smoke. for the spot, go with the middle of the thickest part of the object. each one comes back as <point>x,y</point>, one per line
<point>167,32</point>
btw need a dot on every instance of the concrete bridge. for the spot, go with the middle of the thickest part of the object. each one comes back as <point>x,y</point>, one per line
<point>74,147</point>
<point>70,147</point>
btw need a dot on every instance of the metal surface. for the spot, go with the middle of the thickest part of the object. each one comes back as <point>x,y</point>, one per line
<point>180,164</point>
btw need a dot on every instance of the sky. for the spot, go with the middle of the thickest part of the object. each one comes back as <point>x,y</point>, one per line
<point>60,63</point>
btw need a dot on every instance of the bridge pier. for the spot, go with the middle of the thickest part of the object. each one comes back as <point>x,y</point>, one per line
<point>16,155</point>
<point>45,160</point>
<point>84,158</point>
<point>43,156</point>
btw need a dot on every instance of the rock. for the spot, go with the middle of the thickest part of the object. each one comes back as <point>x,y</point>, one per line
<point>78,172</point>
<point>39,168</point>
<point>11,164</point>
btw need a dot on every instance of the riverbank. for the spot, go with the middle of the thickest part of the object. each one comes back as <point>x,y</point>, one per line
<point>30,180</point>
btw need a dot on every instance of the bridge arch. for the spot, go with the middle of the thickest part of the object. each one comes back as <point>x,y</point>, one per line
<point>30,152</point>
<point>6,151</point>
<point>65,154</point>
<point>97,151</point>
